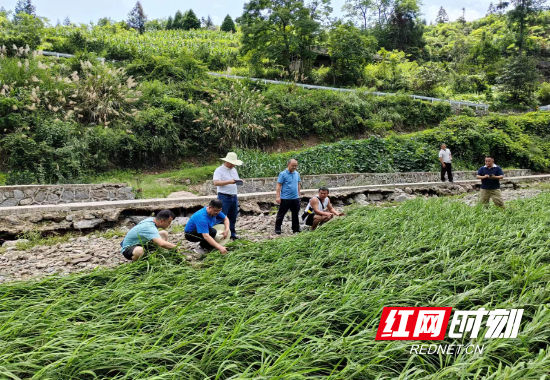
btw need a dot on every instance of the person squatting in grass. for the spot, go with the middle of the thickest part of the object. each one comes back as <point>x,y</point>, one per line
<point>289,188</point>
<point>315,213</point>
<point>145,235</point>
<point>200,227</point>
<point>445,158</point>
<point>226,179</point>
<point>490,176</point>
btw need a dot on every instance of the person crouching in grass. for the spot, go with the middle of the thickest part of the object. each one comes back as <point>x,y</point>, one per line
<point>319,210</point>
<point>200,227</point>
<point>145,236</point>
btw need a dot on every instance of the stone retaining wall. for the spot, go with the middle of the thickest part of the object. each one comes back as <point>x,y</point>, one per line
<point>89,216</point>
<point>257,185</point>
<point>57,194</point>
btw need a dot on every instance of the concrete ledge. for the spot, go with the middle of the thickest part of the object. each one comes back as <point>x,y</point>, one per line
<point>167,202</point>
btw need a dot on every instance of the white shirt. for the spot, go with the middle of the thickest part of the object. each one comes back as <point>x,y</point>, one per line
<point>446,154</point>
<point>223,173</point>
<point>322,205</point>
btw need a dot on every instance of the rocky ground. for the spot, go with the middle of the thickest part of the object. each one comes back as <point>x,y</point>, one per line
<point>89,252</point>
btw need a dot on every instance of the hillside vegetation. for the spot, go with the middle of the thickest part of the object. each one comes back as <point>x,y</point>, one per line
<point>152,105</point>
<point>301,307</point>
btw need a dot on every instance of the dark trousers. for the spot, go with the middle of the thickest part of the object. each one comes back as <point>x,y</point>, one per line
<point>230,207</point>
<point>196,237</point>
<point>447,169</point>
<point>294,206</point>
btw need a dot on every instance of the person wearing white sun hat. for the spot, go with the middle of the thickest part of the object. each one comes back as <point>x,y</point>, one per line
<point>226,180</point>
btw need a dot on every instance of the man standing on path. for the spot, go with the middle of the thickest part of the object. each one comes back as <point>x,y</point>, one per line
<point>445,159</point>
<point>289,187</point>
<point>226,179</point>
<point>490,176</point>
<point>145,235</point>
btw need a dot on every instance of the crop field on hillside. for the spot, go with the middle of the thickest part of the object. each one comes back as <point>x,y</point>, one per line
<point>305,307</point>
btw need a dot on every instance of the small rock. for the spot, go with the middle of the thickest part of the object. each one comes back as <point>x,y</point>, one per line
<point>180,220</point>
<point>82,259</point>
<point>13,243</point>
<point>87,224</point>
<point>401,198</point>
<point>408,190</point>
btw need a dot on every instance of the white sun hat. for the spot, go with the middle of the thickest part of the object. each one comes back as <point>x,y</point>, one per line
<point>232,158</point>
<point>219,236</point>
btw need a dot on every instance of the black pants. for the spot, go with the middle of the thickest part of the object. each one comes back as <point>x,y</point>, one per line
<point>447,169</point>
<point>196,237</point>
<point>294,206</point>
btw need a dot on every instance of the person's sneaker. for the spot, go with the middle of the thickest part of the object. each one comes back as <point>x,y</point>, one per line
<point>278,232</point>
<point>235,237</point>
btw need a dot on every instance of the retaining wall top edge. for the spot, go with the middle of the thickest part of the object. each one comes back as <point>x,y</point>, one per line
<point>375,174</point>
<point>64,186</point>
<point>179,202</point>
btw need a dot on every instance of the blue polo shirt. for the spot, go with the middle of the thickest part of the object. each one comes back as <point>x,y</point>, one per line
<point>289,181</point>
<point>202,222</point>
<point>487,183</point>
<point>141,234</point>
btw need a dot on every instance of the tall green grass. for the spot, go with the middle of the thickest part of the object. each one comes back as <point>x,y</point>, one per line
<point>305,307</point>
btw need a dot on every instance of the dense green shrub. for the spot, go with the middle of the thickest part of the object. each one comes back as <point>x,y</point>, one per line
<point>469,138</point>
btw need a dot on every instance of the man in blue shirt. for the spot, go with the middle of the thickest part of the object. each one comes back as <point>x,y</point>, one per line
<point>490,176</point>
<point>140,237</point>
<point>200,227</point>
<point>289,187</point>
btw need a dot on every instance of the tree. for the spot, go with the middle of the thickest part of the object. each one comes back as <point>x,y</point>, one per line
<point>190,21</point>
<point>207,23</point>
<point>491,10</point>
<point>358,10</point>
<point>25,6</point>
<point>349,51</point>
<point>442,16</point>
<point>178,21</point>
<point>67,21</point>
<point>320,10</point>
<point>519,80</point>
<point>404,30</point>
<point>137,18</point>
<point>169,23</point>
<point>228,25</point>
<point>280,31</point>
<point>521,16</point>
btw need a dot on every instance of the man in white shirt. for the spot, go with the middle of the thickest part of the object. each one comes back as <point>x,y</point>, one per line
<point>445,160</point>
<point>226,179</point>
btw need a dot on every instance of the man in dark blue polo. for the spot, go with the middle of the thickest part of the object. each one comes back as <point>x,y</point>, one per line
<point>490,176</point>
<point>289,187</point>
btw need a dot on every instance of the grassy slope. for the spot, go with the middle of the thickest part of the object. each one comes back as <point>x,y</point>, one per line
<point>158,185</point>
<point>301,307</point>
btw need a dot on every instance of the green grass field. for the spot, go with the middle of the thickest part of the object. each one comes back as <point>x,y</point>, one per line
<point>305,307</point>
